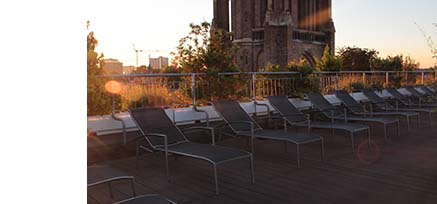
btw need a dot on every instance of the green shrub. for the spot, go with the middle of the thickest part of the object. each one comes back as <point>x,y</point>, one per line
<point>329,62</point>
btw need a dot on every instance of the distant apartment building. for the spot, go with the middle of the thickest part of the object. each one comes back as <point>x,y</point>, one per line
<point>158,63</point>
<point>113,66</point>
<point>128,69</point>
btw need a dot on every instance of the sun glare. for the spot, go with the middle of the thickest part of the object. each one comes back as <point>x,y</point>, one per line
<point>113,87</point>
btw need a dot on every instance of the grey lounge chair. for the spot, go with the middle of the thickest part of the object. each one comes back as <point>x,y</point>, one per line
<point>356,108</point>
<point>428,91</point>
<point>163,135</point>
<point>323,105</point>
<point>422,98</point>
<point>405,103</point>
<point>295,117</point>
<point>98,174</point>
<point>242,124</point>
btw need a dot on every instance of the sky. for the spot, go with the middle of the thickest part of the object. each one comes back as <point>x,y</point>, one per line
<point>155,27</point>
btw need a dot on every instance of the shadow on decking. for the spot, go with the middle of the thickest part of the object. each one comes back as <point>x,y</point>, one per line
<point>404,171</point>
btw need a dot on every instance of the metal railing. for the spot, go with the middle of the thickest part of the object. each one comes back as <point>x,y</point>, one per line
<point>184,89</point>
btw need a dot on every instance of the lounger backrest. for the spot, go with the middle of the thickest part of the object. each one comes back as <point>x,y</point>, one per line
<point>372,96</point>
<point>231,111</point>
<point>155,120</point>
<point>413,91</point>
<point>286,109</point>
<point>349,101</point>
<point>428,91</point>
<point>320,102</point>
<point>395,93</point>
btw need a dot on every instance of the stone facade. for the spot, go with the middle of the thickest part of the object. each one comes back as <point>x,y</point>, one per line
<point>276,31</point>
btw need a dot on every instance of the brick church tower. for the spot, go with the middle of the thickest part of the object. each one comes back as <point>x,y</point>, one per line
<point>276,31</point>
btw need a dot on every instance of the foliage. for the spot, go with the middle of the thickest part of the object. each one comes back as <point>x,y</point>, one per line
<point>329,62</point>
<point>211,51</point>
<point>357,86</point>
<point>357,59</point>
<point>99,101</point>
<point>272,68</point>
<point>432,46</point>
<point>387,64</point>
<point>307,83</point>
<point>300,66</point>
<point>143,69</point>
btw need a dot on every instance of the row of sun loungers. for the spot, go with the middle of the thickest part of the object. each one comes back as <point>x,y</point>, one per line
<point>162,135</point>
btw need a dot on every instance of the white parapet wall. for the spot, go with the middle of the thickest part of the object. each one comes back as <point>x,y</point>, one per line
<point>106,124</point>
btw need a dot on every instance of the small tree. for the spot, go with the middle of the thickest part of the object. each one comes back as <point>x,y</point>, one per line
<point>329,62</point>
<point>357,59</point>
<point>99,101</point>
<point>211,51</point>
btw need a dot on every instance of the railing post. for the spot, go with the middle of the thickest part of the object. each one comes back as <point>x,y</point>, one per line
<point>253,86</point>
<point>193,88</point>
<point>423,78</point>
<point>364,77</point>
<point>337,79</point>
<point>386,79</point>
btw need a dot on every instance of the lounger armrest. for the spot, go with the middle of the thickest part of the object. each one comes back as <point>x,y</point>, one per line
<point>201,128</point>
<point>159,135</point>
<point>204,112</point>
<point>264,105</point>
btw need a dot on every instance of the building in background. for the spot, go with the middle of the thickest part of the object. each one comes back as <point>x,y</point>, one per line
<point>113,66</point>
<point>128,69</point>
<point>276,31</point>
<point>158,63</point>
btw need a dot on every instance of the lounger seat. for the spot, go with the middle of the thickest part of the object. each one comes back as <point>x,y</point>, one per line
<point>368,119</point>
<point>350,127</point>
<point>102,174</point>
<point>213,154</point>
<point>290,136</point>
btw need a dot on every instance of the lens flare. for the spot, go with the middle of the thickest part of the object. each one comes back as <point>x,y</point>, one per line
<point>113,87</point>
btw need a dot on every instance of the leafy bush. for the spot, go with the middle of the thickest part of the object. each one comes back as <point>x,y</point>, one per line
<point>300,66</point>
<point>329,62</point>
<point>357,86</point>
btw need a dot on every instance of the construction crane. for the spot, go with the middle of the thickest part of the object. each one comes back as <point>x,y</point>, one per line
<point>136,52</point>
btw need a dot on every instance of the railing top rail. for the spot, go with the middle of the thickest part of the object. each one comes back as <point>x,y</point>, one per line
<point>260,73</point>
<point>195,74</point>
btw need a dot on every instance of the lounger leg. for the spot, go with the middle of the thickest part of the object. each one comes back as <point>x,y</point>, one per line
<point>214,166</point>
<point>111,195</point>
<point>167,171</point>
<point>322,143</point>
<point>353,142</point>
<point>298,155</point>
<point>399,128</point>
<point>252,173</point>
<point>408,124</point>
<point>133,188</point>
<point>368,136</point>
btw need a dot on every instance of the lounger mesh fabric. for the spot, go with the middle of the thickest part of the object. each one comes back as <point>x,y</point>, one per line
<point>215,154</point>
<point>285,107</point>
<point>231,111</point>
<point>405,102</point>
<point>350,102</point>
<point>322,104</point>
<point>155,120</point>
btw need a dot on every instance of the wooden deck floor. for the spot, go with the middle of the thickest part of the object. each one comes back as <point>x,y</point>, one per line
<point>403,171</point>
